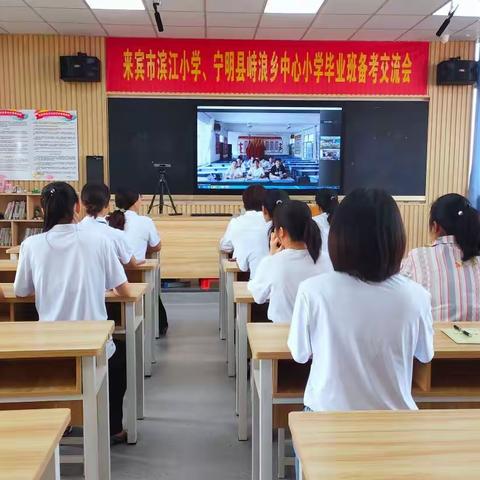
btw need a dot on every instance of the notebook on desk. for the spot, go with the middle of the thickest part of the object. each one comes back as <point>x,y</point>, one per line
<point>459,337</point>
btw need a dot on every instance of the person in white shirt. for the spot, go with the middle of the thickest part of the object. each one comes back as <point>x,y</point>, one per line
<point>235,171</point>
<point>252,218</point>
<point>327,202</point>
<point>69,268</point>
<point>295,255</point>
<point>140,230</point>
<point>96,201</point>
<point>256,171</point>
<point>363,324</point>
<point>252,244</point>
<point>450,268</point>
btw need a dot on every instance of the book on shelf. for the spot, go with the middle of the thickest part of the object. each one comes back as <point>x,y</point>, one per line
<point>16,210</point>
<point>5,237</point>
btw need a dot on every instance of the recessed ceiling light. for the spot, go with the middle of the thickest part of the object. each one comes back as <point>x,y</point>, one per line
<point>466,8</point>
<point>116,4</point>
<point>292,6</point>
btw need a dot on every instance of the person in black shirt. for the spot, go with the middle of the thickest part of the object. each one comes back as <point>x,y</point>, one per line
<point>278,170</point>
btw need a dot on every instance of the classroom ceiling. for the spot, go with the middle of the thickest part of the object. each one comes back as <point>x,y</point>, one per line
<point>244,19</point>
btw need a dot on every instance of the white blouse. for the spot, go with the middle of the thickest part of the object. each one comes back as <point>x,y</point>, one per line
<point>277,279</point>
<point>251,245</point>
<point>141,233</point>
<point>362,338</point>
<point>250,219</point>
<point>69,268</point>
<point>322,222</point>
<point>122,248</point>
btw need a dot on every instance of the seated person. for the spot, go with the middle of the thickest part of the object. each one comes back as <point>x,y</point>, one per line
<point>266,164</point>
<point>450,268</point>
<point>278,171</point>
<point>235,171</point>
<point>256,171</point>
<point>241,165</point>
<point>252,198</point>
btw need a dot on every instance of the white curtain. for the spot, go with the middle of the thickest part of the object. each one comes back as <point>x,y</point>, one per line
<point>205,140</point>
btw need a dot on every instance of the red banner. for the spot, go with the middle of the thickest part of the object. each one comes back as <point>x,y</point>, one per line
<point>201,66</point>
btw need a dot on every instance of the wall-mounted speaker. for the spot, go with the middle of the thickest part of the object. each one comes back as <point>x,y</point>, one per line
<point>457,72</point>
<point>80,68</point>
<point>95,169</point>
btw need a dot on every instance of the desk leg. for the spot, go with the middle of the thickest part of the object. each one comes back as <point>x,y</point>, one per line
<point>140,362</point>
<point>156,313</point>
<point>131,373</point>
<point>265,427</point>
<point>255,420</point>
<point>221,299</point>
<point>149,321</point>
<point>90,419</point>
<point>52,471</point>
<point>243,310</point>
<point>103,422</point>
<point>230,325</point>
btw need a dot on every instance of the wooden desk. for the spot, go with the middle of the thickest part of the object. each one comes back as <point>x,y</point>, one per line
<point>131,324</point>
<point>398,445</point>
<point>231,271</point>
<point>29,443</point>
<point>190,245</point>
<point>243,300</point>
<point>45,362</point>
<point>147,273</point>
<point>451,379</point>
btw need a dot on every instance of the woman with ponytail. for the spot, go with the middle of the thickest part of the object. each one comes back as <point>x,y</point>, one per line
<point>450,268</point>
<point>295,255</point>
<point>96,201</point>
<point>140,230</point>
<point>68,268</point>
<point>327,202</point>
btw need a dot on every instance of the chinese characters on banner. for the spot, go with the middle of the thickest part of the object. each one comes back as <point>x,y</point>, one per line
<point>266,67</point>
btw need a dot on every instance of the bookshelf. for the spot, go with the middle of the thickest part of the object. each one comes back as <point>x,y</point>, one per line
<point>23,221</point>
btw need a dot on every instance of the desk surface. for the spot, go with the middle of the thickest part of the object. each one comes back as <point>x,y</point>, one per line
<point>53,339</point>
<point>136,291</point>
<point>241,294</point>
<point>149,264</point>
<point>269,341</point>
<point>425,444</point>
<point>28,439</point>
<point>230,266</point>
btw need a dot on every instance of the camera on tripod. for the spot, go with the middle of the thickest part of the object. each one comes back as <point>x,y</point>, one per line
<point>161,166</point>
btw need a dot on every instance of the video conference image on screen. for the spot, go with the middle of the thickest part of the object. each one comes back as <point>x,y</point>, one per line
<point>289,148</point>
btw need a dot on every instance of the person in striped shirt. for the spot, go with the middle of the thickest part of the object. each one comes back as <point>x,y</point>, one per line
<point>450,268</point>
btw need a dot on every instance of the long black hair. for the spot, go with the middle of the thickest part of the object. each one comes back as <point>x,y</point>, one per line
<point>367,239</point>
<point>274,198</point>
<point>296,218</point>
<point>327,200</point>
<point>456,216</point>
<point>95,197</point>
<point>58,200</point>
<point>124,199</point>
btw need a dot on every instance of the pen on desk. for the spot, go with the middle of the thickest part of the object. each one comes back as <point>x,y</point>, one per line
<point>456,327</point>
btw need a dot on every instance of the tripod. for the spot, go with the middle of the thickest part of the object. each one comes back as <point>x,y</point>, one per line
<point>161,189</point>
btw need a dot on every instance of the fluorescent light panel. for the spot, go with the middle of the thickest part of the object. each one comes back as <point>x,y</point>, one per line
<point>116,4</point>
<point>466,8</point>
<point>293,6</point>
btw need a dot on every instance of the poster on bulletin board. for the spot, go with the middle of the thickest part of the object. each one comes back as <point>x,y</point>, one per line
<point>38,145</point>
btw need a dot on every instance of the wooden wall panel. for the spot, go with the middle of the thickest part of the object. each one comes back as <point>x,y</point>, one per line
<point>30,78</point>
